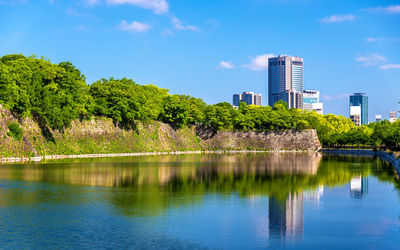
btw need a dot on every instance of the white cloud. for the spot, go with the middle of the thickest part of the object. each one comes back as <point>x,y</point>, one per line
<point>134,27</point>
<point>158,6</point>
<point>337,97</point>
<point>373,59</point>
<point>370,39</point>
<point>91,2</point>
<point>391,9</point>
<point>226,65</point>
<point>81,28</point>
<point>259,62</point>
<point>390,66</point>
<point>179,26</point>
<point>375,39</point>
<point>167,33</point>
<point>337,18</point>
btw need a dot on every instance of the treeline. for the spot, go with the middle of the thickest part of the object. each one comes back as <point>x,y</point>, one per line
<point>55,94</point>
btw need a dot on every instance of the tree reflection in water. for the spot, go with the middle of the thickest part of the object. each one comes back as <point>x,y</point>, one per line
<point>148,186</point>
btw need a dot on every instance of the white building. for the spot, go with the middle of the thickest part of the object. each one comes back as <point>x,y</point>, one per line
<point>392,116</point>
<point>378,118</point>
<point>311,101</point>
<point>355,115</point>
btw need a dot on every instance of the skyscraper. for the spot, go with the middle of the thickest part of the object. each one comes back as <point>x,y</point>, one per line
<point>285,81</point>
<point>248,97</point>
<point>311,101</point>
<point>361,100</point>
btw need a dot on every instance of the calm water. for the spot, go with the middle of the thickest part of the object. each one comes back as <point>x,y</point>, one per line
<point>201,201</point>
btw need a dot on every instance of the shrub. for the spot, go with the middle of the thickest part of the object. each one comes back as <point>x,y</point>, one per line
<point>15,131</point>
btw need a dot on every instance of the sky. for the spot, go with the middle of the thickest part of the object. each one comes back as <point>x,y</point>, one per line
<point>211,49</point>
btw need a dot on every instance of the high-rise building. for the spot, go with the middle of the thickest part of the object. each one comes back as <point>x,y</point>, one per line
<point>285,81</point>
<point>361,100</point>
<point>392,116</point>
<point>378,118</point>
<point>236,99</point>
<point>311,101</point>
<point>248,97</point>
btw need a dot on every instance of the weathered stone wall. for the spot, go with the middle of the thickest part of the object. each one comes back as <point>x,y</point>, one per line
<point>285,140</point>
<point>101,136</point>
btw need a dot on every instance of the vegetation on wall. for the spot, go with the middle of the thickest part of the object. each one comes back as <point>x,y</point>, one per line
<point>56,94</point>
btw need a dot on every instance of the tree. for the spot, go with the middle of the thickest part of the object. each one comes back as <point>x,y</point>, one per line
<point>119,99</point>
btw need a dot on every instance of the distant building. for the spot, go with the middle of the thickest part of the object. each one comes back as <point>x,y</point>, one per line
<point>355,115</point>
<point>248,97</point>
<point>311,101</point>
<point>378,118</point>
<point>236,99</point>
<point>285,81</point>
<point>392,116</point>
<point>360,100</point>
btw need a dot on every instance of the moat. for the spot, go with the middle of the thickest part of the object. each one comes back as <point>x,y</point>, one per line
<point>229,201</point>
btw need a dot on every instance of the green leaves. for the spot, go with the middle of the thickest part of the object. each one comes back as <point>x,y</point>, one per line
<point>54,94</point>
<point>122,100</point>
<point>15,131</point>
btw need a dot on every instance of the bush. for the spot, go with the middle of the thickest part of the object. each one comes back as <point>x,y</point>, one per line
<point>15,131</point>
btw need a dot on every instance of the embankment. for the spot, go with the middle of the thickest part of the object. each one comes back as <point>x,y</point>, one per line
<point>100,136</point>
<point>391,158</point>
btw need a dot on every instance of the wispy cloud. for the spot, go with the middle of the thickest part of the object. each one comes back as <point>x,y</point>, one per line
<point>134,27</point>
<point>375,39</point>
<point>391,9</point>
<point>81,28</point>
<point>337,18</point>
<point>90,2</point>
<point>259,62</point>
<point>389,66</point>
<point>336,97</point>
<point>226,65</point>
<point>157,6</point>
<point>177,24</point>
<point>371,60</point>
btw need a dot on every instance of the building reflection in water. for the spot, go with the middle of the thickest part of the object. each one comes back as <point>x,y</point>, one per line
<point>286,219</point>
<point>358,187</point>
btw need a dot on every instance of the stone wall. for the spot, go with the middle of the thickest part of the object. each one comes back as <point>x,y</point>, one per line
<point>285,140</point>
<point>101,136</point>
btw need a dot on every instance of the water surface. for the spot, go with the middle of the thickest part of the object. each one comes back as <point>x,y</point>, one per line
<point>230,201</point>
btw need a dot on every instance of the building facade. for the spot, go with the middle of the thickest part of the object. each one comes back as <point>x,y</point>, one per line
<point>311,101</point>
<point>355,115</point>
<point>361,100</point>
<point>392,116</point>
<point>378,118</point>
<point>250,98</point>
<point>285,81</point>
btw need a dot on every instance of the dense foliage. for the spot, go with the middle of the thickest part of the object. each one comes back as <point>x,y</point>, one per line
<point>56,94</point>
<point>53,94</point>
<point>15,131</point>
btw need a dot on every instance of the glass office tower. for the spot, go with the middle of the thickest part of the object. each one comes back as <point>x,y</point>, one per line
<point>285,81</point>
<point>360,99</point>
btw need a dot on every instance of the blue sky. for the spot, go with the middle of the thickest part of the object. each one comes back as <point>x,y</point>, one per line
<point>214,48</point>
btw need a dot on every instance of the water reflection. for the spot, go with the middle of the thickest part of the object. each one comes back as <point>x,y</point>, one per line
<point>286,219</point>
<point>153,188</point>
<point>359,187</point>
